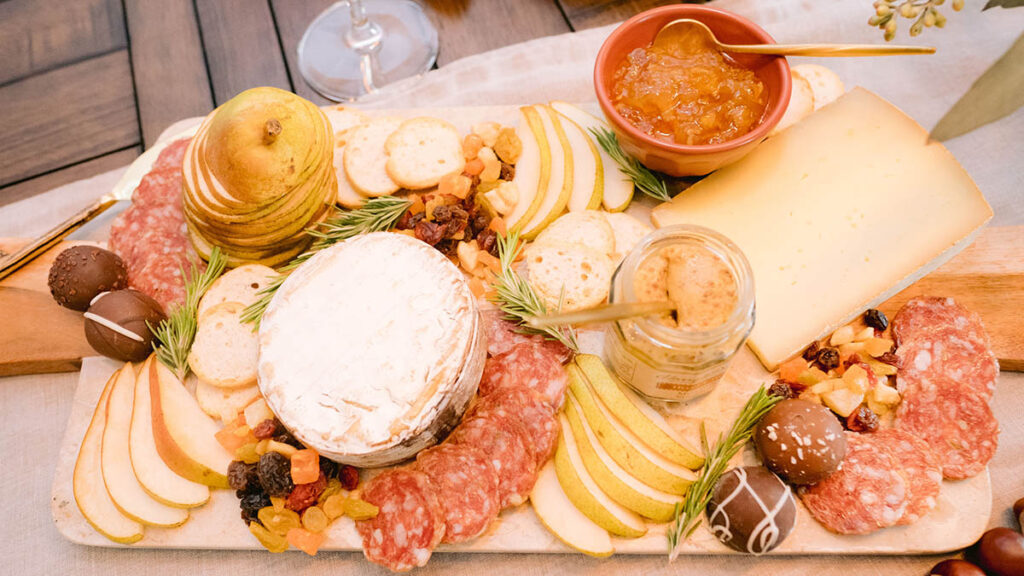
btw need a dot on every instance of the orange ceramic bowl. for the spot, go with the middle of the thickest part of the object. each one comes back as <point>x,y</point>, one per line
<point>679,159</point>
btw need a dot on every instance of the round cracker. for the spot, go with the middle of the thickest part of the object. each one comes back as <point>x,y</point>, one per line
<point>801,104</point>
<point>569,276</point>
<point>422,151</point>
<point>242,285</point>
<point>343,119</point>
<point>224,403</point>
<point>587,228</point>
<point>628,231</point>
<point>825,84</point>
<point>366,160</point>
<point>225,350</point>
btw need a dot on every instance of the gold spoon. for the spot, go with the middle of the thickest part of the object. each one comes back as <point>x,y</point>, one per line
<point>601,314</point>
<point>682,25</point>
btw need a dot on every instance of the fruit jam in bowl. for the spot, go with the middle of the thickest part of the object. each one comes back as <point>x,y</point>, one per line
<point>683,107</point>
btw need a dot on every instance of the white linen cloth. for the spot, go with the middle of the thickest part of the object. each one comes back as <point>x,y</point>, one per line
<point>35,409</point>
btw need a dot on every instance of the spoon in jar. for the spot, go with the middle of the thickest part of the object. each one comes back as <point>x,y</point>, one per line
<point>670,32</point>
<point>604,313</point>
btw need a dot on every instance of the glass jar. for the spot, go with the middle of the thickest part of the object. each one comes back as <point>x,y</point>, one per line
<point>672,363</point>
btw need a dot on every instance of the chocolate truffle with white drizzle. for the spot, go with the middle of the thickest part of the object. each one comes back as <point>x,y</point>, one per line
<point>751,510</point>
<point>117,324</point>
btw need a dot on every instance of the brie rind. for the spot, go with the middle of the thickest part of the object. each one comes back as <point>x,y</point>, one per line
<point>368,351</point>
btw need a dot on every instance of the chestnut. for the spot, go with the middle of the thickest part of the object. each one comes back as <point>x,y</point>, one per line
<point>1000,552</point>
<point>955,567</point>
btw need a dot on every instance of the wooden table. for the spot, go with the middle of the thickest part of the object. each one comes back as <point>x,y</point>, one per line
<point>86,85</point>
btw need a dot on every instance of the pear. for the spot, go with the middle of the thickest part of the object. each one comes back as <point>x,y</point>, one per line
<point>560,183</point>
<point>618,188</point>
<point>558,514</point>
<point>533,170</point>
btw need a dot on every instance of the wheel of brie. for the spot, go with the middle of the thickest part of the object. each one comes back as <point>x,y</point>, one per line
<point>371,351</point>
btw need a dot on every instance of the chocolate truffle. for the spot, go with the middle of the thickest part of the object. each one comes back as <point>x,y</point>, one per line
<point>79,273</point>
<point>116,324</point>
<point>800,441</point>
<point>751,510</point>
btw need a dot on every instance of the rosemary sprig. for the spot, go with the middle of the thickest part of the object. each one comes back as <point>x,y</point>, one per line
<point>516,298</point>
<point>175,334</point>
<point>646,180</point>
<point>378,214</point>
<point>688,512</point>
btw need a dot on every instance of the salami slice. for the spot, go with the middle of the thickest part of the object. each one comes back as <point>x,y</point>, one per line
<point>409,524</point>
<point>159,187</point>
<point>504,442</point>
<point>922,471</point>
<point>502,336</point>
<point>173,156</point>
<point>930,315</point>
<point>531,413</point>
<point>867,493</point>
<point>467,488</point>
<point>958,425</point>
<point>961,362</point>
<point>526,366</point>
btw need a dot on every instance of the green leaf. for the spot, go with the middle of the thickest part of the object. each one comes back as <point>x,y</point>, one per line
<point>997,93</point>
<point>1003,4</point>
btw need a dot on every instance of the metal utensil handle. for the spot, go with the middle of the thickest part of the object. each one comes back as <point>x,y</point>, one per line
<point>616,311</point>
<point>36,247</point>
<point>827,50</point>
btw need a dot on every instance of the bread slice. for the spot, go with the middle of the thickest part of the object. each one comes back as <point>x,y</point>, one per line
<point>422,151</point>
<point>801,104</point>
<point>241,285</point>
<point>365,158</point>
<point>224,352</point>
<point>577,276</point>
<point>627,231</point>
<point>587,228</point>
<point>343,119</point>
<point>825,84</point>
<point>225,404</point>
<point>348,196</point>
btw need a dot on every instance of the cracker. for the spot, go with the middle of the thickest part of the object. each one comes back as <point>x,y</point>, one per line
<point>572,275</point>
<point>241,285</point>
<point>801,104</point>
<point>365,158</point>
<point>224,352</point>
<point>422,151</point>
<point>627,231</point>
<point>825,84</point>
<point>587,228</point>
<point>225,403</point>
<point>343,119</point>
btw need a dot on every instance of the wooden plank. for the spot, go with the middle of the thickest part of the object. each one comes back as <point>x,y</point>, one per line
<point>241,46</point>
<point>465,28</point>
<point>25,348</point>
<point>292,17</point>
<point>67,115</point>
<point>37,36</point>
<point>167,63</point>
<point>583,14</point>
<point>51,180</point>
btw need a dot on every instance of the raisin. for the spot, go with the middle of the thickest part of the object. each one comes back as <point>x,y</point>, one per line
<point>443,213</point>
<point>781,389</point>
<point>488,241</point>
<point>430,232</point>
<point>812,351</point>
<point>408,220</point>
<point>863,419</point>
<point>479,223</point>
<point>508,172</point>
<point>349,476</point>
<point>275,473</point>
<point>876,319</point>
<point>251,502</point>
<point>285,437</point>
<point>329,467</point>
<point>242,476</point>
<point>828,358</point>
<point>304,495</point>
<point>267,429</point>
<point>890,358</point>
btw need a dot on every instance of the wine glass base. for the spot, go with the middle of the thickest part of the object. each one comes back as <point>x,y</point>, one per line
<point>408,47</point>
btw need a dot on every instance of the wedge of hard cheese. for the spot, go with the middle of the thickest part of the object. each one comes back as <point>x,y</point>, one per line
<point>836,214</point>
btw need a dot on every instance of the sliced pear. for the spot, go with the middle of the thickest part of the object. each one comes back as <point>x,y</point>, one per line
<point>588,168</point>
<point>586,495</point>
<point>625,448</point>
<point>614,480</point>
<point>156,478</point>
<point>558,514</point>
<point>641,419</point>
<point>618,188</point>
<point>116,463</point>
<point>183,433</point>
<point>560,184</point>
<point>533,170</point>
<point>87,481</point>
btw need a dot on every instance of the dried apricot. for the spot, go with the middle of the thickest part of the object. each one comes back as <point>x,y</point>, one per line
<point>305,466</point>
<point>308,542</point>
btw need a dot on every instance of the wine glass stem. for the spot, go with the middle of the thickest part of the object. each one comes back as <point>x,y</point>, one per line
<point>364,38</point>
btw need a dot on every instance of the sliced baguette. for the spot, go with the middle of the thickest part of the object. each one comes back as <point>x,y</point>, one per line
<point>225,349</point>
<point>348,196</point>
<point>225,404</point>
<point>422,151</point>
<point>241,285</point>
<point>627,231</point>
<point>366,160</point>
<point>587,228</point>
<point>801,104</point>
<point>825,84</point>
<point>572,276</point>
<point>343,119</point>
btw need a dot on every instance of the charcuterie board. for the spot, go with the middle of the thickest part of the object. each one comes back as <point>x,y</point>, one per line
<point>961,515</point>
